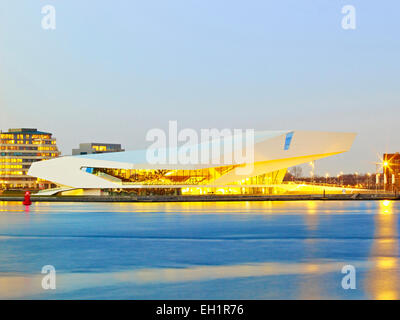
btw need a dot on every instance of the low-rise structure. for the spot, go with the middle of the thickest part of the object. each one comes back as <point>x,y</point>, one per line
<point>93,147</point>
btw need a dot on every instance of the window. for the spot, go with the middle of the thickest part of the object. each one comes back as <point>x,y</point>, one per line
<point>288,140</point>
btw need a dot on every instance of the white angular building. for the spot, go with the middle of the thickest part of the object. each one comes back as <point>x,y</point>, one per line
<point>273,153</point>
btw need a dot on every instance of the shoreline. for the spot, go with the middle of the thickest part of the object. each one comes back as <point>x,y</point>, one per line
<point>210,198</point>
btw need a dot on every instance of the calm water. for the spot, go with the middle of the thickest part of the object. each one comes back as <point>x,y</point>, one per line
<point>248,250</point>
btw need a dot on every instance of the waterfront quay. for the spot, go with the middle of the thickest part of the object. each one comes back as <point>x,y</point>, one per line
<point>209,198</point>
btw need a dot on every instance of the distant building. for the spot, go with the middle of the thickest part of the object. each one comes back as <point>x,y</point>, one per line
<point>89,148</point>
<point>391,171</point>
<point>19,148</point>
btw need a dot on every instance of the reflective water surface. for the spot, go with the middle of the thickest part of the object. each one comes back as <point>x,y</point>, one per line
<point>223,250</point>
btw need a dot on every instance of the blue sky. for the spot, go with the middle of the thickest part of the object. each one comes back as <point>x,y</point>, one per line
<point>112,70</point>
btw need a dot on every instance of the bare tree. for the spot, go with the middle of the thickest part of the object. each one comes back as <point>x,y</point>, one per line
<point>296,172</point>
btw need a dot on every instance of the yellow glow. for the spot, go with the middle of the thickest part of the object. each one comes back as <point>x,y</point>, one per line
<point>387,295</point>
<point>385,163</point>
<point>100,148</point>
<point>312,268</point>
<point>386,203</point>
<point>382,280</point>
<point>311,218</point>
<point>386,207</point>
<point>386,263</point>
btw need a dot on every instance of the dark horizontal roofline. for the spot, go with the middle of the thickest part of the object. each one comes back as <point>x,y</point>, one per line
<point>24,131</point>
<point>100,143</point>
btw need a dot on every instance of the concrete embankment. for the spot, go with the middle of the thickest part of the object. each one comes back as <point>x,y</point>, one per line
<point>208,198</point>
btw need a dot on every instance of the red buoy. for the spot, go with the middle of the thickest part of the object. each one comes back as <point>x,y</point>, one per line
<point>27,200</point>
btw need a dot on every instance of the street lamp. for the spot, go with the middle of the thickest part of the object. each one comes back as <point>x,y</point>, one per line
<point>369,177</point>
<point>377,181</point>
<point>385,172</point>
<point>312,164</point>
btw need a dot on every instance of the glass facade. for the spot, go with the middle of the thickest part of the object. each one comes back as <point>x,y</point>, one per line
<point>201,181</point>
<point>288,140</point>
<point>19,148</point>
<point>163,177</point>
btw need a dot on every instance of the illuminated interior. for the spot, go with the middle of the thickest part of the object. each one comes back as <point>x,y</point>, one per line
<point>161,176</point>
<point>199,181</point>
<point>99,148</point>
<point>205,181</point>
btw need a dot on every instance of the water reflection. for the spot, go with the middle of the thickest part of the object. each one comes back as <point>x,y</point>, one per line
<point>382,281</point>
<point>309,287</point>
<point>16,286</point>
<point>260,249</point>
<point>311,216</point>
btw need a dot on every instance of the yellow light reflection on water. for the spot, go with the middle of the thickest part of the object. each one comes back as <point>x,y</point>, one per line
<point>311,217</point>
<point>382,281</point>
<point>386,203</point>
